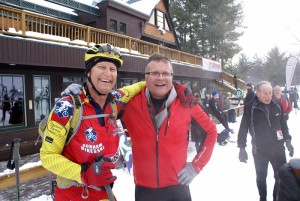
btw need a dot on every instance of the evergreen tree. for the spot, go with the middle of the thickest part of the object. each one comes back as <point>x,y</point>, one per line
<point>274,68</point>
<point>209,28</point>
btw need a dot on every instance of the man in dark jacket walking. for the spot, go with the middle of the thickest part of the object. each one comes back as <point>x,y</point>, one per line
<point>263,118</point>
<point>250,93</point>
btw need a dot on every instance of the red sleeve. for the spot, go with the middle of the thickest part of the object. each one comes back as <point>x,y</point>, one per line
<point>203,156</point>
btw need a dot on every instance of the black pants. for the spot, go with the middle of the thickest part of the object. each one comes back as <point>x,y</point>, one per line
<point>231,116</point>
<point>261,162</point>
<point>170,193</point>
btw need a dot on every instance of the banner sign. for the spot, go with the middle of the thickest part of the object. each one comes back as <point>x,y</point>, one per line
<point>211,65</point>
<point>289,71</point>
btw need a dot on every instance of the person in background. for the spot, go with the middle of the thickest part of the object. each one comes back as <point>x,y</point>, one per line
<point>263,119</point>
<point>235,81</point>
<point>283,100</point>
<point>250,93</point>
<point>231,116</point>
<point>289,181</point>
<point>16,112</point>
<point>158,126</point>
<point>5,106</point>
<point>226,102</point>
<point>198,135</point>
<point>294,98</point>
<point>206,102</point>
<point>214,110</point>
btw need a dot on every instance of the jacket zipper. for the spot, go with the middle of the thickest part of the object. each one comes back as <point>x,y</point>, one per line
<point>157,173</point>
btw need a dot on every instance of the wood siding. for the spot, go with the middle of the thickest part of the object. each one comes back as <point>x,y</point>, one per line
<point>26,52</point>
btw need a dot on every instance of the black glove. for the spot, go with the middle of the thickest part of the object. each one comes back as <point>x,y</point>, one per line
<point>98,174</point>
<point>185,95</point>
<point>290,147</point>
<point>243,156</point>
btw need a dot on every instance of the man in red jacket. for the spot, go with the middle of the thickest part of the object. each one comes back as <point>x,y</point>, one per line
<point>158,125</point>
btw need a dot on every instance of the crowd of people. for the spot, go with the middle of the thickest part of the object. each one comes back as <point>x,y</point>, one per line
<point>159,115</point>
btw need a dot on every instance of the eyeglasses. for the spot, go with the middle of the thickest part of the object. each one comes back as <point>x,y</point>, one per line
<point>157,74</point>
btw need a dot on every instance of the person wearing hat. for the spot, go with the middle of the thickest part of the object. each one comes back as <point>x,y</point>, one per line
<point>158,120</point>
<point>81,172</point>
<point>250,94</point>
<point>214,110</point>
<point>289,181</point>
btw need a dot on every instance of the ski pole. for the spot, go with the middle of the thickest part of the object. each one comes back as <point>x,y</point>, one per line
<point>16,156</point>
<point>107,187</point>
<point>109,193</point>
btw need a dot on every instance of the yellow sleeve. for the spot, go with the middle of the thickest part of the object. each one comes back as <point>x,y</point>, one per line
<point>131,90</point>
<point>52,146</point>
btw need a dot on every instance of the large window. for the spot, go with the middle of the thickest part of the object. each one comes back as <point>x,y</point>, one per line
<point>161,21</point>
<point>11,100</point>
<point>41,97</point>
<point>113,26</point>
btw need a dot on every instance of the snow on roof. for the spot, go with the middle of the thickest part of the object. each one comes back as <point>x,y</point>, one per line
<point>144,6</point>
<point>53,6</point>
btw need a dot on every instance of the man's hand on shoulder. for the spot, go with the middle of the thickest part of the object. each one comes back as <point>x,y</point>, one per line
<point>185,95</point>
<point>74,89</point>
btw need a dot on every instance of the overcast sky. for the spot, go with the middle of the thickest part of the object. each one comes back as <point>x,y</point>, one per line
<point>270,23</point>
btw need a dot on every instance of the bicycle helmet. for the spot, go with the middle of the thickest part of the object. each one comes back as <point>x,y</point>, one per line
<point>102,52</point>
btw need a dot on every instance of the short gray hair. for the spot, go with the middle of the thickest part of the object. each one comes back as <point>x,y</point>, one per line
<point>259,85</point>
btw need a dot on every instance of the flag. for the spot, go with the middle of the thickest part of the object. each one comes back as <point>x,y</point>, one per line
<point>289,71</point>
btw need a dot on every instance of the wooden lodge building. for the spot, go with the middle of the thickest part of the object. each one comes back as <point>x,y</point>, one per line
<point>42,49</point>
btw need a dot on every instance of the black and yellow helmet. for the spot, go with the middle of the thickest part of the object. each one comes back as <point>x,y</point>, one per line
<point>102,52</point>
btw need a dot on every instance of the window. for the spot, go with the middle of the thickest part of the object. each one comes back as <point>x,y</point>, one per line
<point>41,97</point>
<point>113,25</point>
<point>122,28</point>
<point>11,100</point>
<point>67,80</point>
<point>128,81</point>
<point>160,20</point>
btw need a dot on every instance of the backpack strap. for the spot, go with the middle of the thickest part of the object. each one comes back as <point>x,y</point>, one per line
<point>78,116</point>
<point>114,109</point>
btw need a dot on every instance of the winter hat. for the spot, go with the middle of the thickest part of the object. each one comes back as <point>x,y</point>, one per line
<point>249,85</point>
<point>214,92</point>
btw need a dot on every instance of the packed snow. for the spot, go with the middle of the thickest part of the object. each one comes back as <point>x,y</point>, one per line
<point>223,178</point>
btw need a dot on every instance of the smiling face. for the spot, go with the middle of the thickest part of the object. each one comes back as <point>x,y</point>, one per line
<point>104,76</point>
<point>159,81</point>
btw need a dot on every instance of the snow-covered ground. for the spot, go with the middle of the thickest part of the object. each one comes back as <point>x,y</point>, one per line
<point>224,177</point>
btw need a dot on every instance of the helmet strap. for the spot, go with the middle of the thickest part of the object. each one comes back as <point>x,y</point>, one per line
<point>93,86</point>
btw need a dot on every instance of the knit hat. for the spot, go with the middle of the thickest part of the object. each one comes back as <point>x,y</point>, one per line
<point>249,85</point>
<point>214,92</point>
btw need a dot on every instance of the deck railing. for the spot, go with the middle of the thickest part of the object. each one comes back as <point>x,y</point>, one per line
<point>27,24</point>
<point>31,25</point>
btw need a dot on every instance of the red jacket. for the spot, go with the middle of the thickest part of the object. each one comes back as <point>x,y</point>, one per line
<point>286,104</point>
<point>159,156</point>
